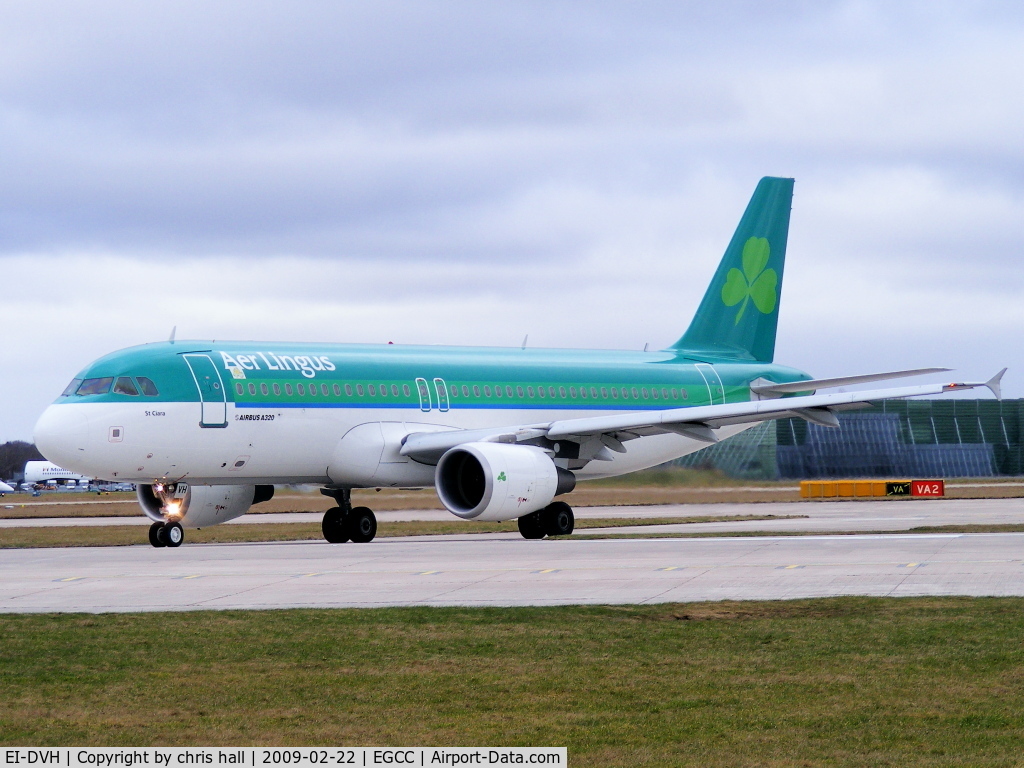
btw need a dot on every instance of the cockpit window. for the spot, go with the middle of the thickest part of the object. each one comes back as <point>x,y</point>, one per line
<point>71,388</point>
<point>95,386</point>
<point>125,386</point>
<point>147,386</point>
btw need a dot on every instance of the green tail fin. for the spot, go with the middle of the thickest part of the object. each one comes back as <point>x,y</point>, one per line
<point>740,311</point>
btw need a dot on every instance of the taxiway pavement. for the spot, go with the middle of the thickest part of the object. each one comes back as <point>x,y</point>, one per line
<point>478,571</point>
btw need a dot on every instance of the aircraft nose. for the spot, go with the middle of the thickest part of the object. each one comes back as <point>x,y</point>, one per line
<point>61,434</point>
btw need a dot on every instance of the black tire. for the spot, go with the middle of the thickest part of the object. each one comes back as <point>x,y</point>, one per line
<point>154,535</point>
<point>333,526</point>
<point>171,535</point>
<point>558,519</point>
<point>530,526</point>
<point>362,525</point>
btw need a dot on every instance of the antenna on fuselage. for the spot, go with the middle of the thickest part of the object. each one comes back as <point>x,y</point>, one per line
<point>524,341</point>
<point>174,330</point>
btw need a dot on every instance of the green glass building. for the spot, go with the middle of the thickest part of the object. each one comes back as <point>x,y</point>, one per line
<point>892,438</point>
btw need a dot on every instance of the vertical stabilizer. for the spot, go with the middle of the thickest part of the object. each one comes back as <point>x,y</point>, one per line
<point>740,311</point>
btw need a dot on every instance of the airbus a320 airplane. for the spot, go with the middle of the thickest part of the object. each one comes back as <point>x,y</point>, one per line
<point>206,429</point>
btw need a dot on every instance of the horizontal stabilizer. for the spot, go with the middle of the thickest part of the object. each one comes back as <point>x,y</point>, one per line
<point>995,386</point>
<point>843,381</point>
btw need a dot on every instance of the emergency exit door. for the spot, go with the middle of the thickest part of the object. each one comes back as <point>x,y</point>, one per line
<point>212,398</point>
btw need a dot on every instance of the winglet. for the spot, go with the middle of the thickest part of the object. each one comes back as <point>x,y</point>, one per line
<point>994,384</point>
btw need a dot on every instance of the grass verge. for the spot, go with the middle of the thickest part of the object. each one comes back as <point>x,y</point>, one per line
<point>124,535</point>
<point>843,681</point>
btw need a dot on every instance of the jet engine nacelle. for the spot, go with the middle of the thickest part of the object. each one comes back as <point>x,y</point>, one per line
<point>197,506</point>
<point>497,481</point>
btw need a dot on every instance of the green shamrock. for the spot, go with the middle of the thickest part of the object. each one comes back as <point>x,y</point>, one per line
<point>502,476</point>
<point>754,282</point>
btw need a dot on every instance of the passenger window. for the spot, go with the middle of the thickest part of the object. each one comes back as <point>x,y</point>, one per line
<point>394,390</point>
<point>373,391</point>
<point>383,390</point>
<point>541,391</point>
<point>476,391</point>
<point>593,392</point>
<point>529,391</point>
<point>465,391</point>
<point>252,388</point>
<point>583,392</point>
<point>323,390</point>
<point>572,392</point>
<point>615,393</point>
<point>604,392</point>
<point>497,391</point>
<point>239,390</point>
<point>359,389</point>
<point>654,393</point>
<point>646,393</point>
<point>685,395</point>
<point>95,386</point>
<point>675,393</point>
<point>455,390</point>
<point>508,390</point>
<point>635,393</point>
<point>348,390</point>
<point>337,391</point>
<point>405,390</point>
<point>625,393</point>
<point>519,391</point>
<point>277,389</point>
<point>300,388</point>
<point>288,389</point>
<point>125,386</point>
<point>561,391</point>
<point>71,388</point>
<point>312,390</point>
<point>264,390</point>
<point>147,386</point>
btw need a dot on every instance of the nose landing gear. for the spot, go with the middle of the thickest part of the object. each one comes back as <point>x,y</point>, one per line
<point>345,523</point>
<point>166,534</point>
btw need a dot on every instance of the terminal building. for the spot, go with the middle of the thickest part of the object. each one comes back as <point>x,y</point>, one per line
<point>892,438</point>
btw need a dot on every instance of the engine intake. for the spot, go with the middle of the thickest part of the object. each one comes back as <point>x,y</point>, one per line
<point>197,506</point>
<point>496,481</point>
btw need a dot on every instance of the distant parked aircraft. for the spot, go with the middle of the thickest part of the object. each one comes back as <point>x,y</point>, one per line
<point>44,471</point>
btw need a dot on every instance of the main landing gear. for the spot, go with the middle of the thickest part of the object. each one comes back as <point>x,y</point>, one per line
<point>556,519</point>
<point>345,523</point>
<point>168,534</point>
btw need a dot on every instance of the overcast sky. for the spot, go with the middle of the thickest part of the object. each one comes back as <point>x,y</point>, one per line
<point>468,173</point>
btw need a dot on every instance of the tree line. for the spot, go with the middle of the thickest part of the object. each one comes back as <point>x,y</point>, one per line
<point>13,456</point>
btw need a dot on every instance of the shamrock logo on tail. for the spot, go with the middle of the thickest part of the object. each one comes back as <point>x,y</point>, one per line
<point>754,282</point>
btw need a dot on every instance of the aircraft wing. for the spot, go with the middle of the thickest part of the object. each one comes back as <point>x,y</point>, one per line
<point>698,422</point>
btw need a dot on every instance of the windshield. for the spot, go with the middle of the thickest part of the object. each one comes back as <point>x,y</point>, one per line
<point>95,386</point>
<point>71,388</point>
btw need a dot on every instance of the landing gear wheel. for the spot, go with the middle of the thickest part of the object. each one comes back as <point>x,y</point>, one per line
<point>170,535</point>
<point>558,519</point>
<point>362,525</point>
<point>154,535</point>
<point>334,527</point>
<point>531,526</point>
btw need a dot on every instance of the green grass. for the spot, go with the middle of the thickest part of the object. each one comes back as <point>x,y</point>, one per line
<point>125,535</point>
<point>845,681</point>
